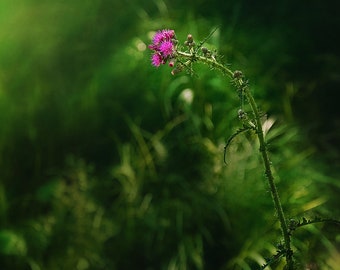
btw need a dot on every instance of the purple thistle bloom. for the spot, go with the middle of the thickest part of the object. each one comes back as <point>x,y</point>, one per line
<point>156,59</point>
<point>168,34</point>
<point>163,46</point>
<point>153,47</point>
<point>166,48</point>
<point>158,37</point>
<point>163,35</point>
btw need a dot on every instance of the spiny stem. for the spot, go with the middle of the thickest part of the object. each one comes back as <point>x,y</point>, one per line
<point>270,178</point>
<point>263,147</point>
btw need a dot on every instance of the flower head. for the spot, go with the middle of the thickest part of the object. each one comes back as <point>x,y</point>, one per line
<point>158,37</point>
<point>163,35</point>
<point>166,48</point>
<point>156,59</point>
<point>163,46</point>
<point>168,34</point>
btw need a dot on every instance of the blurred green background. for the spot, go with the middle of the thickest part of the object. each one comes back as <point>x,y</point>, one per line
<point>109,163</point>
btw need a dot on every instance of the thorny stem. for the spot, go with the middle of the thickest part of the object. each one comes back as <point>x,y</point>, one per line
<point>263,147</point>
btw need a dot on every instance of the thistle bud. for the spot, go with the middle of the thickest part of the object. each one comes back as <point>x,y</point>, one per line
<point>176,71</point>
<point>238,74</point>
<point>204,50</point>
<point>172,62</point>
<point>190,39</point>
<point>241,114</point>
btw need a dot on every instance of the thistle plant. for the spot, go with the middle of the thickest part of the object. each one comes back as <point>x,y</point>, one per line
<point>166,49</point>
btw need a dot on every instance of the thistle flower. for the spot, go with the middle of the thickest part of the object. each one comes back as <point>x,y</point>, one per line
<point>163,35</point>
<point>166,48</point>
<point>156,59</point>
<point>163,47</point>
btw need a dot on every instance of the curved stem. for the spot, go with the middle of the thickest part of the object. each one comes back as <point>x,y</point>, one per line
<point>240,84</point>
<point>270,178</point>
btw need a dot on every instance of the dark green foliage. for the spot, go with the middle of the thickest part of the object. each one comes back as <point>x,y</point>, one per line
<point>106,163</point>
